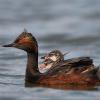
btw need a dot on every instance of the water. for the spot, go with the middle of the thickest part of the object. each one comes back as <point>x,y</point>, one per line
<point>66,25</point>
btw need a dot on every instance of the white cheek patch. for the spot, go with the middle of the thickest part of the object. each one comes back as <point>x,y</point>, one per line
<point>54,58</point>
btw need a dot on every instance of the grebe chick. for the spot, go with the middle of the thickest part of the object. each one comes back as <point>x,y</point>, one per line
<point>56,57</point>
<point>51,59</point>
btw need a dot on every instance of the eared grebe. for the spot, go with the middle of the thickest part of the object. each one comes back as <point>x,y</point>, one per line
<point>58,74</point>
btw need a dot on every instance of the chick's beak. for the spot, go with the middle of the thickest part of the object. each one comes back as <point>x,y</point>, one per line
<point>45,57</point>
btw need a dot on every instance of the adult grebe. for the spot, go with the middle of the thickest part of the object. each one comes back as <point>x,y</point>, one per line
<point>56,75</point>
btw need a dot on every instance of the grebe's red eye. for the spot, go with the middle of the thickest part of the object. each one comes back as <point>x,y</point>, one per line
<point>16,41</point>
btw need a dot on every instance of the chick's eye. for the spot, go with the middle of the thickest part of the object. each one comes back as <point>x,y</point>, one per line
<point>51,55</point>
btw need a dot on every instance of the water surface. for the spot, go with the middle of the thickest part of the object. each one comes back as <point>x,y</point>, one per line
<point>66,25</point>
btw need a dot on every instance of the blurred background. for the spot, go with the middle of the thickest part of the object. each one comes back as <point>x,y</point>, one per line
<point>67,25</point>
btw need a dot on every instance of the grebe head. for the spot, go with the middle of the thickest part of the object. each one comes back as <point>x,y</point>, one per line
<point>24,41</point>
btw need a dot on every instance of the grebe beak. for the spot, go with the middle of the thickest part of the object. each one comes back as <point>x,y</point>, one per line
<point>9,45</point>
